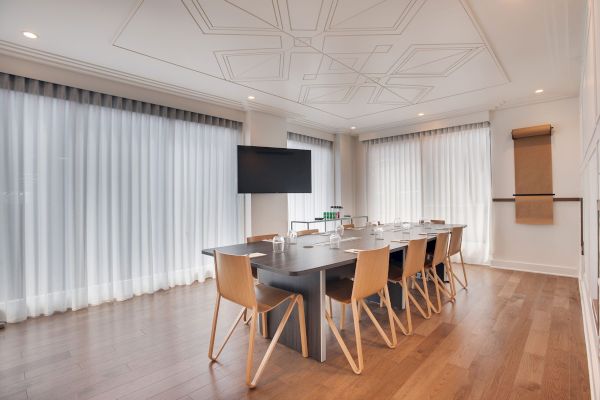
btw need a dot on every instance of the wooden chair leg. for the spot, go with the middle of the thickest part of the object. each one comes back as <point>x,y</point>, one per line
<point>214,328</point>
<point>356,369</point>
<point>356,317</point>
<point>464,270</point>
<point>409,328</point>
<point>390,343</point>
<point>452,275</point>
<point>342,316</point>
<point>264,328</point>
<point>302,323</point>
<point>437,295</point>
<point>274,341</point>
<point>253,321</point>
<point>330,307</point>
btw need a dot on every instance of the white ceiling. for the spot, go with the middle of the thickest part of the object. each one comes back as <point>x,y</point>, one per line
<point>326,63</point>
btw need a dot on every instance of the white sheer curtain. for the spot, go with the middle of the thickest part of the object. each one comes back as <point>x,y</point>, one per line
<point>394,179</point>
<point>104,198</point>
<point>307,206</point>
<point>440,174</point>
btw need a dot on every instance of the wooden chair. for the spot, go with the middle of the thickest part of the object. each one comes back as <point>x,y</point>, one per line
<point>413,264</point>
<point>440,256</point>
<point>438,221</point>
<point>348,226</point>
<point>235,283</point>
<point>456,248</point>
<point>256,239</point>
<point>370,278</point>
<point>307,232</point>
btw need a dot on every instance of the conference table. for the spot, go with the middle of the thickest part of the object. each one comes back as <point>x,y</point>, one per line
<point>306,266</point>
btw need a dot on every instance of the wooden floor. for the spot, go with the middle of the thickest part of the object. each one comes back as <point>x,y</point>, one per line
<point>513,335</point>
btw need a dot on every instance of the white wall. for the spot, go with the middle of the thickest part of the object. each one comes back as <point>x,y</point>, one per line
<point>540,248</point>
<point>589,178</point>
<point>345,171</point>
<point>268,212</point>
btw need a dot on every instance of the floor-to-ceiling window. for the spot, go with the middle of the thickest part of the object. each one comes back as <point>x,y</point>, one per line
<point>307,206</point>
<point>103,198</point>
<point>440,174</point>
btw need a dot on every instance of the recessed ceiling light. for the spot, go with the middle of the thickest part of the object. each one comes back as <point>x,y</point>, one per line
<point>353,127</point>
<point>420,114</point>
<point>539,91</point>
<point>30,35</point>
<point>251,97</point>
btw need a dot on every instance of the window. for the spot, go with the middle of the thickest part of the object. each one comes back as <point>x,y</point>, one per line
<point>441,174</point>
<point>104,198</point>
<point>307,206</point>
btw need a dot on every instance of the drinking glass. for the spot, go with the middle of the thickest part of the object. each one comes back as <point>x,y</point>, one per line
<point>278,244</point>
<point>292,236</point>
<point>378,233</point>
<point>334,241</point>
<point>397,223</point>
<point>340,230</point>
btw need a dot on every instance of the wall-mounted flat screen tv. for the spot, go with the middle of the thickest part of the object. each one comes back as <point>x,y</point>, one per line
<point>273,170</point>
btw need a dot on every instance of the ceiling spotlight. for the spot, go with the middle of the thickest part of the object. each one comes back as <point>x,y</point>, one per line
<point>420,114</point>
<point>251,97</point>
<point>353,127</point>
<point>539,91</point>
<point>30,35</point>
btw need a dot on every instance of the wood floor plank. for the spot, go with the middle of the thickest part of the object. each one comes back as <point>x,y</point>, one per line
<point>511,335</point>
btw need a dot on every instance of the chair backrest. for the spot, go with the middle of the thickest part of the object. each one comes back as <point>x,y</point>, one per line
<point>307,232</point>
<point>455,240</point>
<point>438,221</point>
<point>371,273</point>
<point>415,257</point>
<point>258,238</point>
<point>348,226</point>
<point>441,248</point>
<point>234,279</point>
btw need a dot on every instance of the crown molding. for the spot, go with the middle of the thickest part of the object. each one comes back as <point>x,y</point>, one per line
<point>39,56</point>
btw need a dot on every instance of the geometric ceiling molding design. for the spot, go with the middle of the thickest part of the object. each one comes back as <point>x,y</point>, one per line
<point>372,15</point>
<point>434,60</point>
<point>346,58</point>
<point>399,94</point>
<point>326,94</point>
<point>214,17</point>
<point>252,66</point>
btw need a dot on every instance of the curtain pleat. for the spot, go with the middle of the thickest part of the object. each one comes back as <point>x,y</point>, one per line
<point>307,206</point>
<point>104,198</point>
<point>440,174</point>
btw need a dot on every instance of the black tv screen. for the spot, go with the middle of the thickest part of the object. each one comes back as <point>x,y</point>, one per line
<point>273,170</point>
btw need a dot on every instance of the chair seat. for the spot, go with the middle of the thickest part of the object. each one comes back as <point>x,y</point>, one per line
<point>395,274</point>
<point>340,290</point>
<point>269,297</point>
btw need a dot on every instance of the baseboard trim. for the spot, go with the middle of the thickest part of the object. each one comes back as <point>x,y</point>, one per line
<point>591,342</point>
<point>559,270</point>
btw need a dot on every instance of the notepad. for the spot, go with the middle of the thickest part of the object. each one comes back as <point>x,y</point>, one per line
<point>253,255</point>
<point>353,251</point>
<point>400,240</point>
<point>268,240</point>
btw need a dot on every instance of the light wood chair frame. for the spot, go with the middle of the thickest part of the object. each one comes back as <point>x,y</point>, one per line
<point>456,248</point>
<point>367,262</point>
<point>413,265</point>
<point>247,298</point>
<point>440,256</point>
<point>246,318</point>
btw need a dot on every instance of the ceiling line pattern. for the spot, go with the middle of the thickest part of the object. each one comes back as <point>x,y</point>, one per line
<point>335,68</point>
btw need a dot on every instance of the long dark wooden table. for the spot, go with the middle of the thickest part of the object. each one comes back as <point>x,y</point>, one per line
<point>306,270</point>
